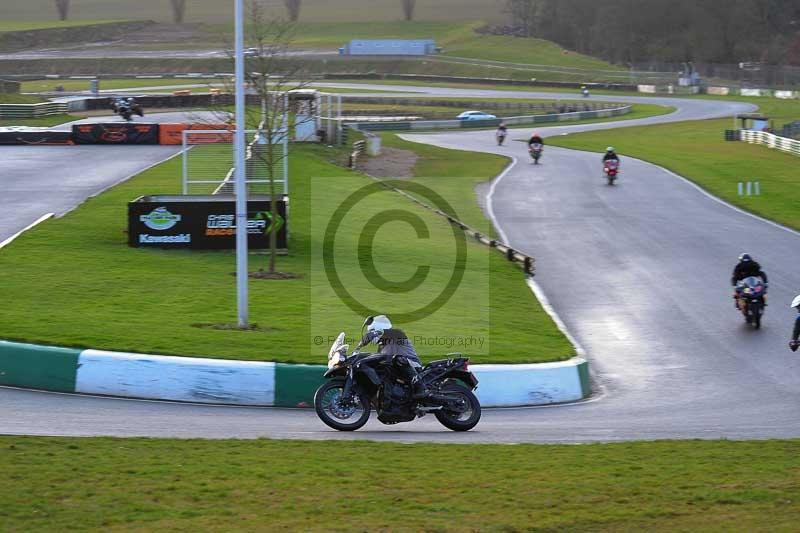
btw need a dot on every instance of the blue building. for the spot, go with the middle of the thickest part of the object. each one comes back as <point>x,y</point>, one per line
<point>389,47</point>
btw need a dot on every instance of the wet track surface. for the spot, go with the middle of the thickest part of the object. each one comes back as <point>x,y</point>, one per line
<point>637,271</point>
<point>36,180</point>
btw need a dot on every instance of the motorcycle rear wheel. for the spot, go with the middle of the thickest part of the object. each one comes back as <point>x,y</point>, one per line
<point>460,421</point>
<point>333,412</point>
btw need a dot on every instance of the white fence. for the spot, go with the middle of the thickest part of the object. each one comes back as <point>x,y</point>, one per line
<point>773,141</point>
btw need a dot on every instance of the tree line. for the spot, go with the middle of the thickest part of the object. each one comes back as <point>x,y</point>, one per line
<point>292,9</point>
<point>637,31</point>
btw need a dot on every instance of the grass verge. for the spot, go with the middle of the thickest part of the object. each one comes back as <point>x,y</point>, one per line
<point>151,484</point>
<point>43,122</point>
<point>698,151</point>
<point>148,300</point>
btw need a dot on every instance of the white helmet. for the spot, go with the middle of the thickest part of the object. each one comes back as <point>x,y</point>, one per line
<point>610,149</point>
<point>378,323</point>
<point>796,301</point>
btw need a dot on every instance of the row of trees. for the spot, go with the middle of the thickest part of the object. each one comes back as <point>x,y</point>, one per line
<point>632,31</point>
<point>292,9</point>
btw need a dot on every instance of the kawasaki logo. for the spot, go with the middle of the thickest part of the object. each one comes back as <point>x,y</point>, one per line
<point>165,239</point>
<point>160,219</point>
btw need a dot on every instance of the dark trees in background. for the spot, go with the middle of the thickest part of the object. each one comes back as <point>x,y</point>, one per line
<point>293,8</point>
<point>408,8</point>
<point>626,31</point>
<point>178,11</point>
<point>63,9</point>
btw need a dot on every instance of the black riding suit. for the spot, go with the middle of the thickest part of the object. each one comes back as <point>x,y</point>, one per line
<point>745,269</point>
<point>610,156</point>
<point>394,345</point>
<point>535,140</point>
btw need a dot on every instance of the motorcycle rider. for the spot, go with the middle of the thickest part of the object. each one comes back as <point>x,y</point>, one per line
<point>535,139</point>
<point>610,155</point>
<point>745,268</point>
<point>794,344</point>
<point>395,345</point>
<point>502,132</point>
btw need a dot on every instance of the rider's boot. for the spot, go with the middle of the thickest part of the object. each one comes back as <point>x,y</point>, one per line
<point>418,389</point>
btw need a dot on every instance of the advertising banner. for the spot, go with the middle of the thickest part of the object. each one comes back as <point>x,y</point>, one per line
<point>172,134</point>
<point>203,222</point>
<point>34,136</point>
<point>115,133</point>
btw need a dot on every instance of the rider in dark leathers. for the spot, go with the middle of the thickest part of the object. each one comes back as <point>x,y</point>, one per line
<point>610,154</point>
<point>745,268</point>
<point>394,345</point>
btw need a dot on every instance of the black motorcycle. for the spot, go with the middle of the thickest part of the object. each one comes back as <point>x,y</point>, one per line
<point>751,294</point>
<point>126,108</point>
<point>363,381</point>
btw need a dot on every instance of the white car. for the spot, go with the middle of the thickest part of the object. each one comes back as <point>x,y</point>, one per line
<point>475,115</point>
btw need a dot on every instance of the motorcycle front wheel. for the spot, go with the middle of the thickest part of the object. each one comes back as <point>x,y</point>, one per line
<point>340,413</point>
<point>460,421</point>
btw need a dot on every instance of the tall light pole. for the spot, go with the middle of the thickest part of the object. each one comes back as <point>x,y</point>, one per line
<point>241,172</point>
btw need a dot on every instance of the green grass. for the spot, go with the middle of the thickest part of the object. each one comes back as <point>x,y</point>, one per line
<point>147,300</point>
<point>27,25</point>
<point>698,151</point>
<point>43,122</point>
<point>49,85</point>
<point>59,484</point>
<point>213,11</point>
<point>20,99</point>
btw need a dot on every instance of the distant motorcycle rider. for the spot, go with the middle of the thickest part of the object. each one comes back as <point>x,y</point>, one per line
<point>610,155</point>
<point>535,139</point>
<point>794,344</point>
<point>502,132</point>
<point>745,268</point>
<point>393,344</point>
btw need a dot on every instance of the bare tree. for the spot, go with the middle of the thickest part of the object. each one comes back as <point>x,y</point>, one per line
<point>293,8</point>
<point>270,75</point>
<point>178,10</point>
<point>63,9</point>
<point>408,8</point>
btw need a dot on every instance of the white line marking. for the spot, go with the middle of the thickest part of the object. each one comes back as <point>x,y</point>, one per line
<point>535,287</point>
<point>38,221</point>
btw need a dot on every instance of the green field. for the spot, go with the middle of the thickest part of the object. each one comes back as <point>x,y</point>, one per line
<point>59,484</point>
<point>212,11</point>
<point>131,291</point>
<point>698,151</point>
<point>37,24</point>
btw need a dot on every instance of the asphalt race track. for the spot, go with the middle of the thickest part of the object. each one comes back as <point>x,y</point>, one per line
<point>36,180</point>
<point>639,273</point>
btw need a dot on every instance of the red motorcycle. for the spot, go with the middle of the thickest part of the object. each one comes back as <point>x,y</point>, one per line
<point>611,169</point>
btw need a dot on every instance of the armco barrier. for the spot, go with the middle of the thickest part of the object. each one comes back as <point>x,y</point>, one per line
<point>28,111</point>
<point>220,381</point>
<point>490,123</point>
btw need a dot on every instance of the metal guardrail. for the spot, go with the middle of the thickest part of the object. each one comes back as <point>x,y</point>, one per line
<point>526,262</point>
<point>509,121</point>
<point>28,111</point>
<point>783,144</point>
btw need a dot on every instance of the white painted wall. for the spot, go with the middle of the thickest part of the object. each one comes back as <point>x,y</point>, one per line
<point>534,384</point>
<point>176,378</point>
